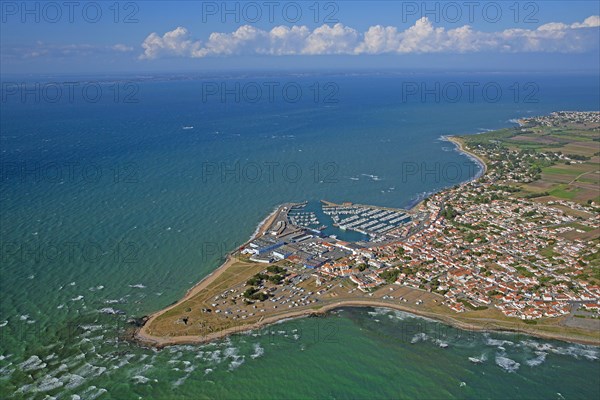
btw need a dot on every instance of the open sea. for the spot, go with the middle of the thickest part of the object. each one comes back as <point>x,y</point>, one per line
<point>114,204</point>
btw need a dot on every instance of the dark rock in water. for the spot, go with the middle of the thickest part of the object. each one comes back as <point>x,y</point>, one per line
<point>132,327</point>
<point>137,322</point>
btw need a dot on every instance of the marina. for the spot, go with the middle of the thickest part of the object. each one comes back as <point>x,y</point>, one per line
<point>376,222</point>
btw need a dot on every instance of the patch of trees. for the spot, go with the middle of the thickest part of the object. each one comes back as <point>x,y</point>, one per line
<point>254,294</point>
<point>257,279</point>
<point>596,273</point>
<point>276,269</point>
<point>470,237</point>
<point>277,277</point>
<point>407,271</point>
<point>505,188</point>
<point>535,195</point>
<point>578,157</point>
<point>524,271</point>
<point>390,275</point>
<point>449,212</point>
<point>592,256</point>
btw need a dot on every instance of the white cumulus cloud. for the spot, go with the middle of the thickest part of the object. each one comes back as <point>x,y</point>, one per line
<point>338,39</point>
<point>175,42</point>
<point>422,37</point>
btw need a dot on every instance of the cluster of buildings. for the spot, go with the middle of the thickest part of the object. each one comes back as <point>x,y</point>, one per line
<point>565,117</point>
<point>509,254</point>
<point>291,236</point>
<point>477,245</point>
<point>299,244</point>
<point>499,250</point>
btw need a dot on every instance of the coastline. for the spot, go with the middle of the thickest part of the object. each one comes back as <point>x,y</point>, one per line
<point>145,338</point>
<point>460,147</point>
<point>160,342</point>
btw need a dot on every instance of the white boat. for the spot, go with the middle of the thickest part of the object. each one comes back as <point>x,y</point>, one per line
<point>475,360</point>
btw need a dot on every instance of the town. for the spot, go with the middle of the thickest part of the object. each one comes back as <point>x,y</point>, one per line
<point>520,242</point>
<point>480,245</point>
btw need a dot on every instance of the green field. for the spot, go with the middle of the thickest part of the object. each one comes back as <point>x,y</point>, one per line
<point>576,178</point>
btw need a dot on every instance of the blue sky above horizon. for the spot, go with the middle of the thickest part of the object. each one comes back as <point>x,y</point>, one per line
<point>147,36</point>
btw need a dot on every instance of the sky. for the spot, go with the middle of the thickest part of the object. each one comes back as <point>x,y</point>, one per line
<point>40,37</point>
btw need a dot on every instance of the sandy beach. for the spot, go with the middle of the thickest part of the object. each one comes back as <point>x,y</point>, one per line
<point>471,155</point>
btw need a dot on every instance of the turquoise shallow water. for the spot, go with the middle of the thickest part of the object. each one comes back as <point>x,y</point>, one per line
<point>147,220</point>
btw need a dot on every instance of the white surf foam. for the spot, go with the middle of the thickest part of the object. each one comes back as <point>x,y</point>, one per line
<point>33,363</point>
<point>138,286</point>
<point>539,360</point>
<point>507,364</point>
<point>89,370</point>
<point>111,311</point>
<point>419,337</point>
<point>73,380</point>
<point>236,363</point>
<point>258,351</point>
<point>93,392</point>
<point>48,383</point>
<point>577,351</point>
<point>139,379</point>
<point>497,342</point>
